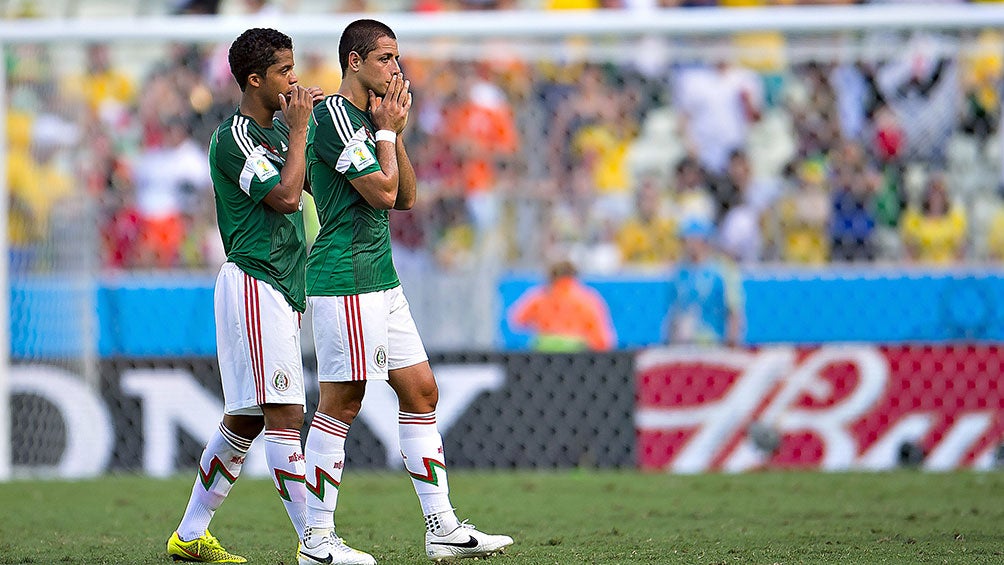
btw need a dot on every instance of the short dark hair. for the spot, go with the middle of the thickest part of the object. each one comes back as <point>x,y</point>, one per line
<point>561,269</point>
<point>253,52</point>
<point>361,36</point>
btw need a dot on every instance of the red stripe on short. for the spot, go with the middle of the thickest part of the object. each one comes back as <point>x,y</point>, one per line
<point>357,346</point>
<point>252,313</point>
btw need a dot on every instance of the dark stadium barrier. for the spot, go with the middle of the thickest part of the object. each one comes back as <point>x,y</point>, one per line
<point>495,411</point>
<point>837,407</point>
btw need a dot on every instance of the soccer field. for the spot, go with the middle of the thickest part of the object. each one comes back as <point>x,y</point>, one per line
<point>555,517</point>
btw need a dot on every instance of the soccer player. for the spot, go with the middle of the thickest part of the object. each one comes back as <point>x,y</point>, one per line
<point>258,170</point>
<point>363,329</point>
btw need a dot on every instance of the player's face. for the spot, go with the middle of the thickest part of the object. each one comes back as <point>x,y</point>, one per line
<point>279,78</point>
<point>379,66</point>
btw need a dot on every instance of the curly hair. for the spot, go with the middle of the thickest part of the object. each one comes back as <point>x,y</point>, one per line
<point>361,36</point>
<point>254,52</point>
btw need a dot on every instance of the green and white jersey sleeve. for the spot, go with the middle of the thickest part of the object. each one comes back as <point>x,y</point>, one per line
<point>343,143</point>
<point>233,149</point>
<point>352,252</point>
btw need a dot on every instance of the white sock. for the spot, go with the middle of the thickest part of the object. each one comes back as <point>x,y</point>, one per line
<point>219,467</point>
<point>325,456</point>
<point>422,449</point>
<point>285,458</point>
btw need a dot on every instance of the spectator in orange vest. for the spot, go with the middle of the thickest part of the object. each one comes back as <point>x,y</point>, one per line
<point>564,313</point>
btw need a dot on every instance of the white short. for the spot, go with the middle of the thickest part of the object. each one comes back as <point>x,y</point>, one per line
<point>257,343</point>
<point>362,336</point>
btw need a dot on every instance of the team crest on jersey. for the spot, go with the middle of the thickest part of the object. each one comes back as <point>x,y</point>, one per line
<point>380,356</point>
<point>280,380</point>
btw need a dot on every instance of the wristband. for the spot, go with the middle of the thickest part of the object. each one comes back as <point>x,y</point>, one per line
<point>386,135</point>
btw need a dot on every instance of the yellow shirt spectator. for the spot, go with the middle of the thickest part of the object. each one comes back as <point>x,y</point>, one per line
<point>573,4</point>
<point>605,153</point>
<point>101,84</point>
<point>935,232</point>
<point>803,219</point>
<point>651,242</point>
<point>939,240</point>
<point>35,189</point>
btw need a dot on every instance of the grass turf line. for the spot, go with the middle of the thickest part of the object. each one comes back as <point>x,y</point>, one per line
<point>556,517</point>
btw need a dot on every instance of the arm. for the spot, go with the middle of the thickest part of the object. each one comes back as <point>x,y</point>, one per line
<point>602,336</point>
<point>406,185</point>
<point>380,189</point>
<point>522,314</point>
<point>285,197</point>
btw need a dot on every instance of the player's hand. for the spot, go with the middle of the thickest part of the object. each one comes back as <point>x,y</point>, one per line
<point>297,109</point>
<point>316,94</point>
<point>391,111</point>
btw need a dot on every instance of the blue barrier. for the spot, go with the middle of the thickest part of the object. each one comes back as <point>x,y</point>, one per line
<point>158,316</point>
<point>803,306</point>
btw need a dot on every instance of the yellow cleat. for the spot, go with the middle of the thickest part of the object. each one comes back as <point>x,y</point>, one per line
<point>206,549</point>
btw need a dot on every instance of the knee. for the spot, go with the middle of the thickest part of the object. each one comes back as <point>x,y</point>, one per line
<point>420,400</point>
<point>247,427</point>
<point>341,401</point>
<point>284,417</point>
<point>344,410</point>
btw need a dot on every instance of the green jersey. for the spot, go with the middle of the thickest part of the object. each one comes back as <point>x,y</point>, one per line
<point>351,254</point>
<point>245,160</point>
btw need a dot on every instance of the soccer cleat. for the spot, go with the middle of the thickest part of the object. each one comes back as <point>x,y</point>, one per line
<point>463,542</point>
<point>206,549</point>
<point>332,550</point>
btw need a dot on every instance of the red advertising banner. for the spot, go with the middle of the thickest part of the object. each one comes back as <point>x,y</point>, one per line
<point>833,408</point>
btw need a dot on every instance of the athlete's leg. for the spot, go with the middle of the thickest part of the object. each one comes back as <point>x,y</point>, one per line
<point>421,443</point>
<point>349,331</point>
<point>425,461</point>
<point>219,467</point>
<point>337,407</point>
<point>284,455</point>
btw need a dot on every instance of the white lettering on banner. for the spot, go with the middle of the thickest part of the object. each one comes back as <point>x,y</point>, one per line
<point>910,428</point>
<point>173,400</point>
<point>459,385</point>
<point>89,431</point>
<point>831,423</point>
<point>716,422</point>
<point>960,438</point>
<point>840,407</point>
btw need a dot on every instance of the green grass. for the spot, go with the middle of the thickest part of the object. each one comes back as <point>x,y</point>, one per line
<point>555,517</point>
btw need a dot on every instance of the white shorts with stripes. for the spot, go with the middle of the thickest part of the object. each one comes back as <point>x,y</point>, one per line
<point>257,343</point>
<point>362,336</point>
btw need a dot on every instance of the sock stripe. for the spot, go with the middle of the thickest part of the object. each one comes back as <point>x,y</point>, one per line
<point>421,419</point>
<point>237,442</point>
<point>329,425</point>
<point>284,435</point>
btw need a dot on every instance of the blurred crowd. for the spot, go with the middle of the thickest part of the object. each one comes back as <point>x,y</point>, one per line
<point>770,151</point>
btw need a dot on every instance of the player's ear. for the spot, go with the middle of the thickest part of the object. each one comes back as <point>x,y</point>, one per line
<point>354,60</point>
<point>255,80</point>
